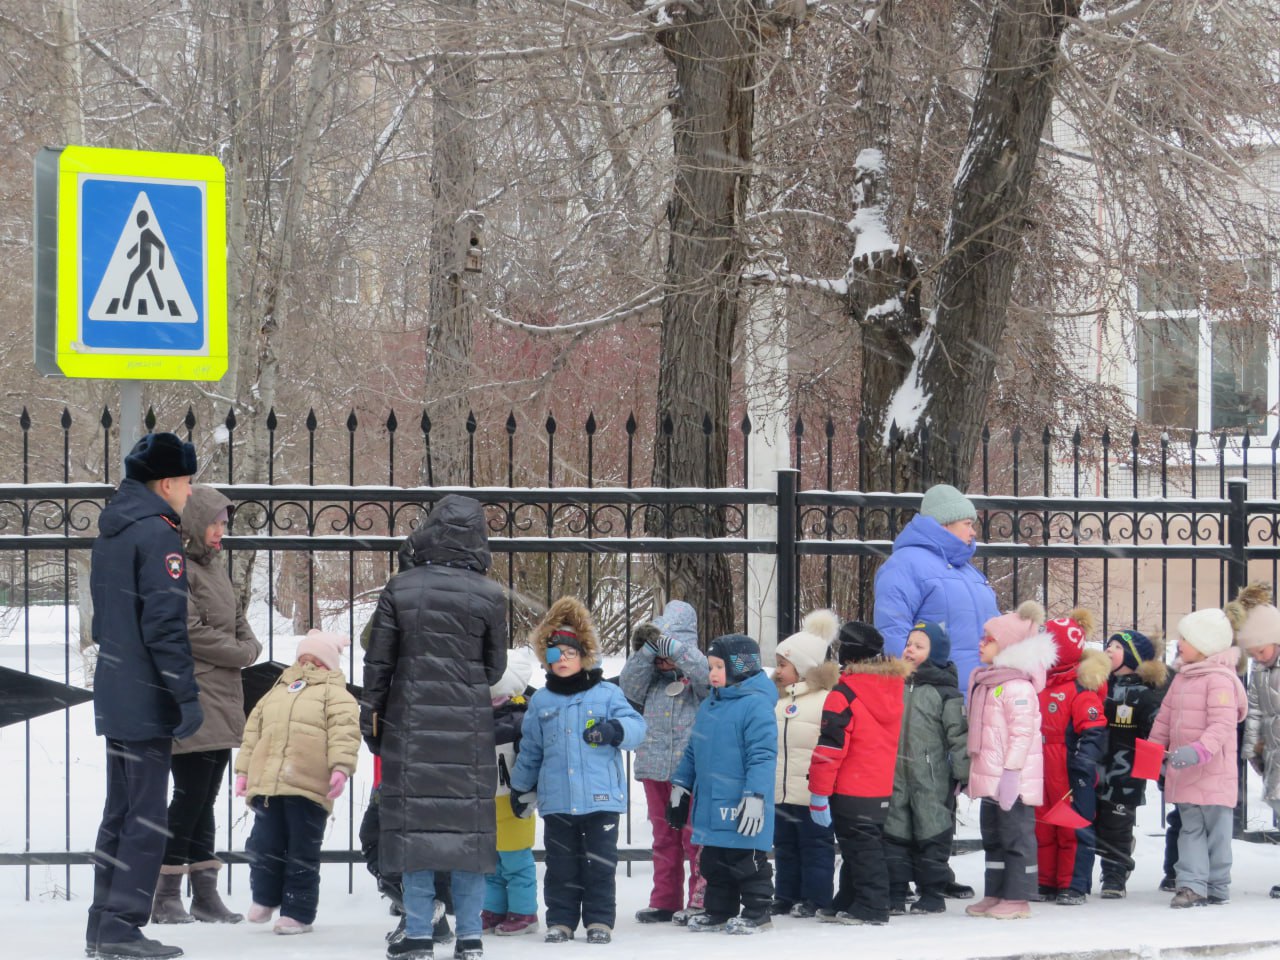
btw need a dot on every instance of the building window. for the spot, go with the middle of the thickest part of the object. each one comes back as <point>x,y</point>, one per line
<point>1203,357</point>
<point>1168,371</point>
<point>1239,392</point>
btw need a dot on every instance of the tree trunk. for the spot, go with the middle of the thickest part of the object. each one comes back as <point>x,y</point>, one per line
<point>453,190</point>
<point>715,54</point>
<point>953,360</point>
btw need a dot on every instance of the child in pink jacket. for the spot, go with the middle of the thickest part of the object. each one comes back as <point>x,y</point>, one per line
<point>1197,722</point>
<point>1006,756</point>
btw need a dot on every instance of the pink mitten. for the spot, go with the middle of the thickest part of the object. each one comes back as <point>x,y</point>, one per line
<point>1008,789</point>
<point>242,785</point>
<point>337,781</point>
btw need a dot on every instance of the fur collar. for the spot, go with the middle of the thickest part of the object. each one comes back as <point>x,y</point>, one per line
<point>579,682</point>
<point>821,678</point>
<point>1033,657</point>
<point>881,667</point>
<point>1154,673</point>
<point>1094,670</point>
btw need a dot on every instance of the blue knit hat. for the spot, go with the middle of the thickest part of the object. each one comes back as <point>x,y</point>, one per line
<point>939,640</point>
<point>741,656</point>
<point>946,504</point>
<point>1137,647</point>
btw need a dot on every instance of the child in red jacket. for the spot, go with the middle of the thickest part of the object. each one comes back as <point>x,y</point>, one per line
<point>851,773</point>
<point>1073,723</point>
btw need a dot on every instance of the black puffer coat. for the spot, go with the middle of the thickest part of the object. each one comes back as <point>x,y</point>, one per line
<point>437,643</point>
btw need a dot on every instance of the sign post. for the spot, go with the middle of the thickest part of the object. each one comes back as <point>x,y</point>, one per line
<point>130,269</point>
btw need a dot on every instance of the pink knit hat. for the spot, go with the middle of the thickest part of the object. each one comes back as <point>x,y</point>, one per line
<point>325,647</point>
<point>1010,628</point>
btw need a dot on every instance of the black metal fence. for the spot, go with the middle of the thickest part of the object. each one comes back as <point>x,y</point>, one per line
<point>1141,533</point>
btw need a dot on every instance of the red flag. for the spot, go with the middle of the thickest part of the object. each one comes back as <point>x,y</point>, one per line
<point>1148,756</point>
<point>1062,814</point>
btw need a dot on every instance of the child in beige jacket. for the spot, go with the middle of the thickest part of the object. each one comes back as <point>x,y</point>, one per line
<point>299,750</point>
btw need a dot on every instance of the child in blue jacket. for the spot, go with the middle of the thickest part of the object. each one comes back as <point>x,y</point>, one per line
<point>570,766</point>
<point>728,766</point>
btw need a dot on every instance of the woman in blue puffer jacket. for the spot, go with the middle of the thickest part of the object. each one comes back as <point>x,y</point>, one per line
<point>929,577</point>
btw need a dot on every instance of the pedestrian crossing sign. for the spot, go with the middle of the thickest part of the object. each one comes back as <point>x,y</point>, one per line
<point>130,265</point>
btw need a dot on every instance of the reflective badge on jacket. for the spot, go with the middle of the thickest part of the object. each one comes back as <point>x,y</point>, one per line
<point>173,563</point>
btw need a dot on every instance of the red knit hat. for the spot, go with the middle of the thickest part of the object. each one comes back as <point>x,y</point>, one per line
<point>1069,635</point>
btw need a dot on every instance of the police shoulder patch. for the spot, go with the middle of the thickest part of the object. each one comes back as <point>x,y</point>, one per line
<point>173,564</point>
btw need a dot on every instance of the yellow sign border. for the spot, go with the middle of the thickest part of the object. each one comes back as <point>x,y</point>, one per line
<point>142,166</point>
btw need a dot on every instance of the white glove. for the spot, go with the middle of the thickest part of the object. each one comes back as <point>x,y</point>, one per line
<point>751,815</point>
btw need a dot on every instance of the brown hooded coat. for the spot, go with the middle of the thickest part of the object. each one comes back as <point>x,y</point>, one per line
<point>222,643</point>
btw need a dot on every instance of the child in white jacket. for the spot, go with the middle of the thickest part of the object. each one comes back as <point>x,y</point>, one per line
<point>804,852</point>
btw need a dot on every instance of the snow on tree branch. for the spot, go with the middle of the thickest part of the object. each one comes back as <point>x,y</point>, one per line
<point>652,298</point>
<point>910,399</point>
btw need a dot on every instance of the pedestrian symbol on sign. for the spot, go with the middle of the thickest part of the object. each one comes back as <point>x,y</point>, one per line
<point>141,281</point>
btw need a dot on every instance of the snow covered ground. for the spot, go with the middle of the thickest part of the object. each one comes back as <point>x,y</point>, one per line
<point>351,924</point>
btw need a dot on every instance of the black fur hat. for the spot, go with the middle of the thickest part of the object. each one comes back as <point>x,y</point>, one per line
<point>158,456</point>
<point>858,641</point>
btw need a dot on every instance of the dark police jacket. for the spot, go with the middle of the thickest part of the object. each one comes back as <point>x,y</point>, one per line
<point>139,587</point>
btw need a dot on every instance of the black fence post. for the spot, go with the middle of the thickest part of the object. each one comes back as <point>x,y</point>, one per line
<point>788,560</point>
<point>1237,577</point>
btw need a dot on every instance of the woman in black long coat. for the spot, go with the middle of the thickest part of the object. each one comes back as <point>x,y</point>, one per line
<point>437,643</point>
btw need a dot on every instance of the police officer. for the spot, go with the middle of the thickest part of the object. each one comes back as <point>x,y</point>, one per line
<point>145,692</point>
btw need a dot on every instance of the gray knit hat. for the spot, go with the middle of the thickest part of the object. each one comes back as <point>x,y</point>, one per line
<point>946,504</point>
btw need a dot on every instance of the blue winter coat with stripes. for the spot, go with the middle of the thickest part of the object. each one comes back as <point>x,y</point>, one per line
<point>733,751</point>
<point>571,775</point>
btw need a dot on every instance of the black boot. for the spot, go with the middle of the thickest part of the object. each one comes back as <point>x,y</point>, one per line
<point>410,948</point>
<point>140,949</point>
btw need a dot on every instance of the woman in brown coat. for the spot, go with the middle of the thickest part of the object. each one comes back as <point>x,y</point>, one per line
<point>222,644</point>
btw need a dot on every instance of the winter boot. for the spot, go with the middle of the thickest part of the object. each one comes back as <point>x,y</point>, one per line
<point>410,948</point>
<point>779,908</point>
<point>1070,898</point>
<point>1045,894</point>
<point>1275,892</point>
<point>1009,910</point>
<point>804,910</point>
<point>706,923</point>
<point>440,930</point>
<point>489,921</point>
<point>1186,897</point>
<point>288,927</point>
<point>980,908</point>
<point>928,904</point>
<point>681,918</point>
<point>518,924</point>
<point>468,948</point>
<point>392,937</point>
<point>260,914</point>
<point>1169,884</point>
<point>744,926</point>
<point>958,891</point>
<point>599,933</point>
<point>654,915</point>
<point>206,905</point>
<point>167,906</point>
<point>558,934</point>
<point>1113,890</point>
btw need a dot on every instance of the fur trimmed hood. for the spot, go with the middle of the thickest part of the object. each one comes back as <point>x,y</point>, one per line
<point>567,612</point>
<point>883,667</point>
<point>822,677</point>
<point>1094,670</point>
<point>1034,656</point>
<point>1154,673</point>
